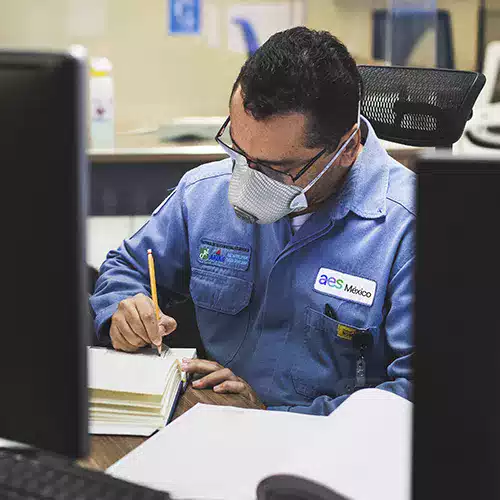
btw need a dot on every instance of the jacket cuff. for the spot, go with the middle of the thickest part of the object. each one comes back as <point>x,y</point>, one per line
<point>102,323</point>
<point>279,408</point>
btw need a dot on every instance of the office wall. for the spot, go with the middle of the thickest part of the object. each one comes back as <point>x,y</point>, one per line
<point>156,76</point>
<point>159,77</point>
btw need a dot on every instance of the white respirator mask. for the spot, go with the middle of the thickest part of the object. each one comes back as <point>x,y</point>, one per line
<point>258,199</point>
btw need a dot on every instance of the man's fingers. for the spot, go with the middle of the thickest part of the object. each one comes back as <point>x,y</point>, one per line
<point>119,341</point>
<point>200,366</point>
<point>146,312</point>
<point>125,329</point>
<point>130,322</point>
<point>167,324</point>
<point>232,386</point>
<point>138,325</point>
<point>214,378</point>
<point>138,342</point>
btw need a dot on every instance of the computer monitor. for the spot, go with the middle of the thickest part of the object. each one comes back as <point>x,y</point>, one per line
<point>457,329</point>
<point>491,69</point>
<point>496,89</point>
<point>488,30</point>
<point>43,394</point>
<point>408,26</point>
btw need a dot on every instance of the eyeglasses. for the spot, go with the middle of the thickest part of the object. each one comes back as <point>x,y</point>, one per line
<point>278,175</point>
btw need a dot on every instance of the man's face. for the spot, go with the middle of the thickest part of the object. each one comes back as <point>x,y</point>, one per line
<point>278,142</point>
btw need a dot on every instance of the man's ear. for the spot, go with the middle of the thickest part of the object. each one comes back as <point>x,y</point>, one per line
<point>352,148</point>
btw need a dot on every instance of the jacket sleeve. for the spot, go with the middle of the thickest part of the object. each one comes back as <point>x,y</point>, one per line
<point>398,330</point>
<point>125,273</point>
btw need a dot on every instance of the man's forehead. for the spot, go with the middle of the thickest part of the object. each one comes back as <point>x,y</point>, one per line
<point>275,134</point>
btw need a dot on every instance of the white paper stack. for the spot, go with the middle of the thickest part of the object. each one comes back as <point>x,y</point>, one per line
<point>133,393</point>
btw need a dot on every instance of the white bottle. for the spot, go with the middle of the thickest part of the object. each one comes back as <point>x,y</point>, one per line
<point>102,112</point>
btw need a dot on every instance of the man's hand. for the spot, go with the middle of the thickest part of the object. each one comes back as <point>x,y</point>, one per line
<point>134,324</point>
<point>221,379</point>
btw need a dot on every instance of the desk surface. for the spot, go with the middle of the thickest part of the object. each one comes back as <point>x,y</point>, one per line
<point>198,153</point>
<point>201,152</point>
<point>106,450</point>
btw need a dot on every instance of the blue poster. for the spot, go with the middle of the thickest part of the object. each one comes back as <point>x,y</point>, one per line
<point>184,17</point>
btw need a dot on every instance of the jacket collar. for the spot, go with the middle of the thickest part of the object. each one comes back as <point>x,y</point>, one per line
<point>364,191</point>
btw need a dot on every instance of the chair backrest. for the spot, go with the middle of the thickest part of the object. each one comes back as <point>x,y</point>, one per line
<point>425,107</point>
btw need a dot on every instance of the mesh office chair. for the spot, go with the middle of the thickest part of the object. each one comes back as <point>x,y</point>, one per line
<point>419,106</point>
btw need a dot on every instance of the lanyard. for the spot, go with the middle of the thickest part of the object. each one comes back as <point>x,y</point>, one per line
<point>362,342</point>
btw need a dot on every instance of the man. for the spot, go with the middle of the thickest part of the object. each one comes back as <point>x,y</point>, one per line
<point>297,251</point>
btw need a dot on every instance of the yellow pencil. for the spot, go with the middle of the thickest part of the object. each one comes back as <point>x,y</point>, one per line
<point>152,280</point>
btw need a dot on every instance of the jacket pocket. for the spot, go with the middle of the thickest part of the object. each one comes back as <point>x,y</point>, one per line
<point>326,360</point>
<point>221,311</point>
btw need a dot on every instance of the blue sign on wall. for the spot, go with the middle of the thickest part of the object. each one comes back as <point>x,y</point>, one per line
<point>184,17</point>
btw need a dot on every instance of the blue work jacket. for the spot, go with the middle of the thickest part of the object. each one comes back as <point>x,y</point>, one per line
<point>260,291</point>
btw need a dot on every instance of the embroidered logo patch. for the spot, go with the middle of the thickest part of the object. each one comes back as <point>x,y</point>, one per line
<point>204,253</point>
<point>224,254</point>
<point>345,286</point>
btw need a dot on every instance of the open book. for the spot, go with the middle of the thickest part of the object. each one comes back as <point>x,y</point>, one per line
<point>362,450</point>
<point>133,393</point>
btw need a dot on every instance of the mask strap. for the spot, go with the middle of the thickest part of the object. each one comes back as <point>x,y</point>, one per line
<point>339,152</point>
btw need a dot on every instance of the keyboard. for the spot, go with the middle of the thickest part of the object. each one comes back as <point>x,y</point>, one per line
<point>33,475</point>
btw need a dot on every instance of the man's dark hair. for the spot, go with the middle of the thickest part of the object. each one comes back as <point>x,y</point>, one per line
<point>305,71</point>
